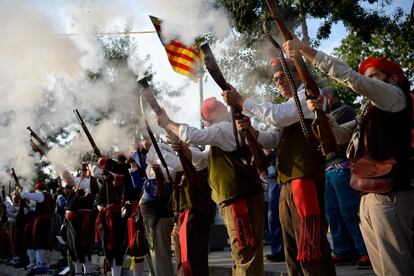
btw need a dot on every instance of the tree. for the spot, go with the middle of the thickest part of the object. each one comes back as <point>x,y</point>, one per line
<point>396,42</point>
<point>247,15</point>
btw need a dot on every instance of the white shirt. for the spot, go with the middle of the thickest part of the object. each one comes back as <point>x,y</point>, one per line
<point>282,114</point>
<point>383,95</point>
<point>219,135</point>
<point>199,159</point>
<point>36,196</point>
<point>11,210</point>
<point>82,183</point>
<point>269,138</point>
<point>153,159</point>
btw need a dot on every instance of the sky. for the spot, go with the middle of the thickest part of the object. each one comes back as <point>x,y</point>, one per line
<point>42,70</point>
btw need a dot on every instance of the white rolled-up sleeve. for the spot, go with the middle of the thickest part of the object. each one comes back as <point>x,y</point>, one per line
<point>200,158</point>
<point>279,115</point>
<point>383,95</point>
<point>220,135</point>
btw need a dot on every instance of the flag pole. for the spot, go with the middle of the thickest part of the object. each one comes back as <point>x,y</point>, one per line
<point>201,90</point>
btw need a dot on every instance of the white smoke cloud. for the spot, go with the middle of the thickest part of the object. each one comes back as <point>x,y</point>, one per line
<point>28,53</point>
<point>42,78</point>
<point>186,20</point>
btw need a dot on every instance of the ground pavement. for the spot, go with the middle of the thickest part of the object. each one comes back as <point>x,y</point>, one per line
<point>219,262</point>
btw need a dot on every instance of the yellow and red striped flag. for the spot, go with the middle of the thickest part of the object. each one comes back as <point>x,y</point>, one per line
<point>183,59</point>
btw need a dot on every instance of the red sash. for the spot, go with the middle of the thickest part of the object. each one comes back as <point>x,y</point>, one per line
<point>306,201</point>
<point>86,217</point>
<point>243,223</point>
<point>132,227</point>
<point>106,213</point>
<point>183,219</point>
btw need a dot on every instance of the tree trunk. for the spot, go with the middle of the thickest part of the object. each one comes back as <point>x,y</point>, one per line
<point>302,19</point>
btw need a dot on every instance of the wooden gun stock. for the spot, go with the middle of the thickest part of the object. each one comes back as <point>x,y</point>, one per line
<point>236,111</point>
<point>88,134</point>
<point>320,127</point>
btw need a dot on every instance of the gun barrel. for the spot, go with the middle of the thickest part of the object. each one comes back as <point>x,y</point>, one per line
<point>37,137</point>
<point>148,94</point>
<point>324,132</point>
<point>88,134</point>
<point>16,179</point>
<point>78,116</point>
<point>212,67</point>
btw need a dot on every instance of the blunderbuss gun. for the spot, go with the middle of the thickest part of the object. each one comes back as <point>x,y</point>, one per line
<point>16,180</point>
<point>18,193</point>
<point>41,147</point>
<point>88,134</point>
<point>192,177</point>
<point>3,195</point>
<point>320,126</point>
<point>259,157</point>
<point>189,170</point>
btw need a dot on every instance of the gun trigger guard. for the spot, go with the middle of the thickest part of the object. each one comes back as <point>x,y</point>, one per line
<point>308,97</point>
<point>315,130</point>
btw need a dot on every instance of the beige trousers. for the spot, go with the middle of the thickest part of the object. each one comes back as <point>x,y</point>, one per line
<point>387,227</point>
<point>248,260</point>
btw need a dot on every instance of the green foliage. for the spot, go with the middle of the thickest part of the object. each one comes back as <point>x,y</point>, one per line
<point>247,15</point>
<point>396,42</point>
<point>356,18</point>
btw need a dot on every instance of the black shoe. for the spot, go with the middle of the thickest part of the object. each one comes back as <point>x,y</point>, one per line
<point>275,257</point>
<point>338,259</point>
<point>363,263</point>
<point>20,264</point>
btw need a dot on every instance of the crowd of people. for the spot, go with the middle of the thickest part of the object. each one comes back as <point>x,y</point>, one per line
<point>134,203</point>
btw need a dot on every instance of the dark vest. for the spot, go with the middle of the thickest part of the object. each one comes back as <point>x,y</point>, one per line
<point>46,207</point>
<point>76,202</point>
<point>389,135</point>
<point>342,113</point>
<point>296,158</point>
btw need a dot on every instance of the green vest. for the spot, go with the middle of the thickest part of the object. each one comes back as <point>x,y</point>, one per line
<point>180,195</point>
<point>197,196</point>
<point>296,158</point>
<point>229,177</point>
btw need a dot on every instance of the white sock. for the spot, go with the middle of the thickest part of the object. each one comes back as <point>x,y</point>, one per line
<point>116,269</point>
<point>139,269</point>
<point>78,267</point>
<point>31,254</point>
<point>40,256</point>
<point>87,265</point>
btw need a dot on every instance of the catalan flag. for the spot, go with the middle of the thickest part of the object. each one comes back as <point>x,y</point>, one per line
<point>183,59</point>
